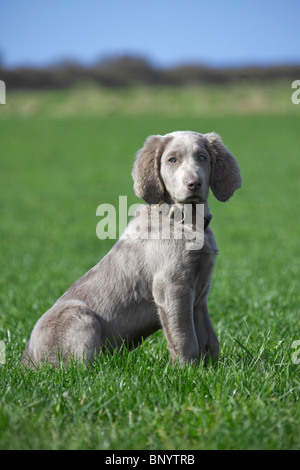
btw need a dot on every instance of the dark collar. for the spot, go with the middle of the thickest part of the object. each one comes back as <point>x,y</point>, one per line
<point>207,220</point>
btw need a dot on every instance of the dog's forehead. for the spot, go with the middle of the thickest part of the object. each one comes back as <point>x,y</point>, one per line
<point>186,141</point>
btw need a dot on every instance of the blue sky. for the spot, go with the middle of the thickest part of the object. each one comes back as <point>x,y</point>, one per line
<point>215,32</point>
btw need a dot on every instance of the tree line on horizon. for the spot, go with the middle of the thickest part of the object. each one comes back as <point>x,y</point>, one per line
<point>126,71</point>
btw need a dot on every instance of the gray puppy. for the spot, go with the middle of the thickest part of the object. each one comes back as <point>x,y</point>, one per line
<point>149,282</point>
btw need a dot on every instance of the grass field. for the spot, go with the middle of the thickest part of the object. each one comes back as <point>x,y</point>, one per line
<point>55,171</point>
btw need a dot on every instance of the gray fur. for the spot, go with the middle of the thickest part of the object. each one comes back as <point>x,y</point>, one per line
<point>143,284</point>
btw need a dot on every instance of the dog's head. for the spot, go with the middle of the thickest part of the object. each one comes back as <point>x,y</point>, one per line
<point>182,165</point>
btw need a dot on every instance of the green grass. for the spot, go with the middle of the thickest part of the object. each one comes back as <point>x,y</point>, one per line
<point>90,101</point>
<point>54,174</point>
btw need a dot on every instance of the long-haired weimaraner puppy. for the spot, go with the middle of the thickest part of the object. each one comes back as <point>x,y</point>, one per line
<point>149,282</point>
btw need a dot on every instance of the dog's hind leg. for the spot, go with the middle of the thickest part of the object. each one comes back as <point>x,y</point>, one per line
<point>70,331</point>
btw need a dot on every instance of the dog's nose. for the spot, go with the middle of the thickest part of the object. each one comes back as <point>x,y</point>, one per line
<point>193,183</point>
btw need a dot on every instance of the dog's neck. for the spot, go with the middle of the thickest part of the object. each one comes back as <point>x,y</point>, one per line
<point>180,206</point>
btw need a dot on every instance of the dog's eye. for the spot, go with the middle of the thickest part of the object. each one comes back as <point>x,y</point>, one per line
<point>172,160</point>
<point>201,157</point>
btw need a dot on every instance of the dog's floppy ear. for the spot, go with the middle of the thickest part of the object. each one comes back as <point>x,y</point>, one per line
<point>225,174</point>
<point>148,183</point>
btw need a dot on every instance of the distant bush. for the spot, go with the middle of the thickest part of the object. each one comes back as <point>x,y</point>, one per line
<point>127,71</point>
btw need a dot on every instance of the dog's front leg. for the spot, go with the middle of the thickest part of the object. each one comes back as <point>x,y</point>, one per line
<point>207,338</point>
<point>175,308</point>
